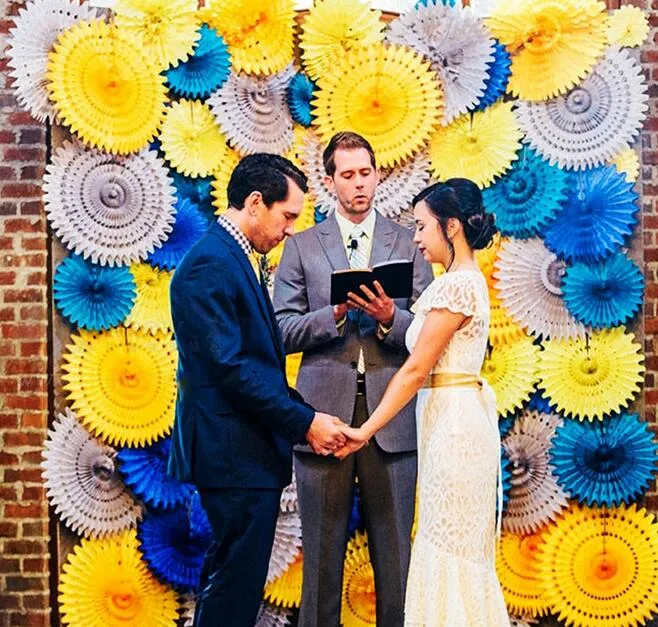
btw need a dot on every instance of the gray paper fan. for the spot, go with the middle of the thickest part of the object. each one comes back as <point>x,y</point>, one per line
<point>287,544</point>
<point>398,186</point>
<point>273,616</point>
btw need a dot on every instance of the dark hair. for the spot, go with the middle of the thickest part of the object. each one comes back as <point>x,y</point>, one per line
<point>347,141</point>
<point>460,199</point>
<point>264,173</point>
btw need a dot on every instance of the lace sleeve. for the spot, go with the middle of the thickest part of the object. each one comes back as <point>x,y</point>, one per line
<point>456,292</point>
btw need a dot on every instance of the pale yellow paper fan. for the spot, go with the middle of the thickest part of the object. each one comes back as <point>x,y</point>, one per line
<point>151,311</point>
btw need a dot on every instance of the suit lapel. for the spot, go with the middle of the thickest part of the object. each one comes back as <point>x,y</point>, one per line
<point>332,243</point>
<point>383,240</point>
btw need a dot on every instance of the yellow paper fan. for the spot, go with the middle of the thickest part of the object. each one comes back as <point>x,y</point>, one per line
<point>286,590</point>
<point>512,370</point>
<point>259,34</point>
<point>600,567</point>
<point>628,26</point>
<point>165,29</point>
<point>121,384</point>
<point>478,146</point>
<point>388,94</point>
<point>221,178</point>
<point>331,28</point>
<point>486,259</point>
<point>151,311</point>
<point>293,361</point>
<point>503,329</point>
<point>358,607</point>
<point>628,163</point>
<point>592,377</point>
<point>554,43</point>
<point>105,87</point>
<point>106,583</point>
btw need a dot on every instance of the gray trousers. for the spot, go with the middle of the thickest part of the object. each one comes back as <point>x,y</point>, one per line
<point>387,483</point>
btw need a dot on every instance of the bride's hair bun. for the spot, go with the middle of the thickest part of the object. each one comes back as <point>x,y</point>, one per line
<point>480,229</point>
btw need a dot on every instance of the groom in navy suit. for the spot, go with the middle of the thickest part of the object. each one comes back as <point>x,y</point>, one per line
<point>236,418</point>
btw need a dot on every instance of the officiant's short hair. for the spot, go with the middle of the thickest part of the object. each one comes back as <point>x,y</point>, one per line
<point>345,140</point>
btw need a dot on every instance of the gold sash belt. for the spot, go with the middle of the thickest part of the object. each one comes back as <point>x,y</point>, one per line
<point>453,379</point>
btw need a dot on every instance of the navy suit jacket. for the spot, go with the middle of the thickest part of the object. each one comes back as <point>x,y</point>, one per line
<point>236,418</point>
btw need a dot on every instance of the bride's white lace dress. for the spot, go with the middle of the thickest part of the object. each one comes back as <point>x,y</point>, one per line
<point>452,577</point>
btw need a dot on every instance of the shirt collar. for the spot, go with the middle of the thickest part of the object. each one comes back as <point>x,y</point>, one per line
<point>345,226</point>
<point>235,232</point>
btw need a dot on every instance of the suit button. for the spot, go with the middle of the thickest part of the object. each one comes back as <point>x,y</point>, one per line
<point>353,365</point>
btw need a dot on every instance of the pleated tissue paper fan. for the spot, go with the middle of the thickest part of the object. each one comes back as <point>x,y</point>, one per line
<point>90,296</point>
<point>188,606</point>
<point>553,45</point>
<point>287,544</point>
<point>628,26</point>
<point>593,377</point>
<point>503,329</point>
<point>106,583</point>
<point>486,258</point>
<point>498,73</point>
<point>529,283</point>
<point>323,197</point>
<point>388,94</point>
<point>289,502</point>
<point>221,178</point>
<point>605,294</point>
<point>82,482</point>
<point>253,113</point>
<point>594,120</point>
<point>458,46</point>
<point>627,162</point>
<point>600,567</point>
<point>197,190</point>
<point>112,210</point>
<point>152,310</point>
<point>122,384</point>
<point>598,217</point>
<point>36,28</point>
<point>358,602</point>
<point>286,590</point>
<point>478,146</point>
<point>299,94</point>
<point>273,616</point>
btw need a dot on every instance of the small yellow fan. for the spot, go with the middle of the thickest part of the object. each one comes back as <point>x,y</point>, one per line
<point>628,26</point>
<point>221,178</point>
<point>359,602</point>
<point>151,311</point>
<point>628,163</point>
<point>503,329</point>
<point>286,590</point>
<point>486,259</point>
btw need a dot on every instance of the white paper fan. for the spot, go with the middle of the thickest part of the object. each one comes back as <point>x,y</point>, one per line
<point>37,27</point>
<point>529,278</point>
<point>273,616</point>
<point>311,154</point>
<point>83,483</point>
<point>398,186</point>
<point>289,502</point>
<point>287,544</point>
<point>114,210</point>
<point>253,112</point>
<point>458,46</point>
<point>187,607</point>
<point>595,120</point>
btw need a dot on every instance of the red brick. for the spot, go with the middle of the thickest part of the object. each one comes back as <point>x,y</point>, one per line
<point>18,438</point>
<point>7,349</point>
<point>7,137</point>
<point>7,529</point>
<point>31,136</point>
<point>17,401</point>
<point>21,118</point>
<point>7,278</point>
<point>24,547</point>
<point>37,278</point>
<point>8,421</point>
<point>9,602</point>
<point>34,529</point>
<point>32,172</point>
<point>8,565</point>
<point>26,475</point>
<point>8,493</point>
<point>33,384</point>
<point>26,583</point>
<point>30,295</point>
<point>34,349</point>
<point>8,459</point>
<point>30,619</point>
<point>34,243</point>
<point>6,243</point>
<point>31,458</point>
<point>24,225</point>
<point>33,494</point>
<point>33,312</point>
<point>24,154</point>
<point>35,601</point>
<point>7,386</point>
<point>7,173</point>
<point>20,190</point>
<point>22,331</point>
<point>31,208</point>
<point>15,510</point>
<point>7,314</point>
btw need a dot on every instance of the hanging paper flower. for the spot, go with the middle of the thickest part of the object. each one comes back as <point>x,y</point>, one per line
<point>503,329</point>
<point>358,602</point>
<point>114,210</point>
<point>272,616</point>
<point>152,310</point>
<point>593,121</point>
<point>90,296</point>
<point>286,591</point>
<point>599,215</point>
<point>478,146</point>
<point>499,71</point>
<point>197,191</point>
<point>627,26</point>
<point>105,87</point>
<point>121,383</point>
<point>553,46</point>
<point>527,197</point>
<point>606,294</point>
<point>458,46</point>
<point>627,162</point>
<point>253,113</point>
<point>221,179</point>
<point>592,378</point>
<point>398,186</point>
<point>299,94</point>
<point>205,70</point>
<point>287,544</point>
<point>600,567</point>
<point>388,94</point>
<point>36,28</point>
<point>105,583</point>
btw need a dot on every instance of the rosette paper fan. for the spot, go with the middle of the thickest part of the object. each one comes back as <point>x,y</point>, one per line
<point>311,162</point>
<point>486,258</point>
<point>627,162</point>
<point>272,616</point>
<point>121,384</point>
<point>188,606</point>
<point>287,544</point>
<point>398,186</point>
<point>388,94</point>
<point>196,190</point>
<point>503,329</point>
<point>286,590</point>
<point>105,87</point>
<point>593,377</point>
<point>289,502</point>
<point>628,26</point>
<point>299,94</point>
<point>554,45</point>
<point>498,76</point>
<point>152,311</point>
<point>358,603</point>
<point>221,179</point>
<point>106,583</point>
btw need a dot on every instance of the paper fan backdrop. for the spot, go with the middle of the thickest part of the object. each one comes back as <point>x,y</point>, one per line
<point>152,310</point>
<point>627,26</point>
<point>286,590</point>
<point>478,146</point>
<point>121,383</point>
<point>188,606</point>
<point>253,112</point>
<point>503,329</point>
<point>553,46</point>
<point>221,179</point>
<point>498,76</point>
<point>112,210</point>
<point>388,94</point>
<point>627,162</point>
<point>529,283</point>
<point>398,186</point>
<point>593,377</point>
<point>106,583</point>
<point>36,28</point>
<point>592,122</point>
<point>486,258</point>
<point>272,616</point>
<point>458,46</point>
<point>287,543</point>
<point>600,567</point>
<point>311,156</point>
<point>358,602</point>
<point>299,94</point>
<point>197,190</point>
<point>82,481</point>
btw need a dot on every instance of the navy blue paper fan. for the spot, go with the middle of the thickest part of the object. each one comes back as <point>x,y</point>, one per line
<point>197,191</point>
<point>541,404</point>
<point>300,92</point>
<point>505,424</point>
<point>499,73</point>
<point>598,216</point>
<point>91,296</point>
<point>605,294</point>
<point>199,523</point>
<point>606,462</point>
<point>355,521</point>
<point>205,71</point>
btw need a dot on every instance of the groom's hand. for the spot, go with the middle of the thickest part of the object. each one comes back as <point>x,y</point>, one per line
<point>377,305</point>
<point>325,434</point>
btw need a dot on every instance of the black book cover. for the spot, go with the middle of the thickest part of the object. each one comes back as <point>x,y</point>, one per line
<point>396,277</point>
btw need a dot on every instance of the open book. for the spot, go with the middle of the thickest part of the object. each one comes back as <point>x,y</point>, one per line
<point>396,277</point>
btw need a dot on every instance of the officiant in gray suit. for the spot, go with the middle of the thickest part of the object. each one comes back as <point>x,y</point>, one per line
<point>351,351</point>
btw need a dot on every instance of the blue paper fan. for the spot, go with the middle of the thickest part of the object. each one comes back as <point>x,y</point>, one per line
<point>605,294</point>
<point>505,424</point>
<point>190,225</point>
<point>605,463</point>
<point>499,73</point>
<point>199,523</point>
<point>91,296</point>
<point>354,522</point>
<point>506,474</point>
<point>600,212</point>
<point>205,71</point>
<point>145,471</point>
<point>300,92</point>
<point>541,404</point>
<point>319,215</point>
<point>528,197</point>
<point>197,191</point>
<point>424,3</point>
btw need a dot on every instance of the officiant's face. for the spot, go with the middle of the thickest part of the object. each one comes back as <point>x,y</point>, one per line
<point>354,181</point>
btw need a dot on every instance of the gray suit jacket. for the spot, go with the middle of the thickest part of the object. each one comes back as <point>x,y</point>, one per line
<point>327,376</point>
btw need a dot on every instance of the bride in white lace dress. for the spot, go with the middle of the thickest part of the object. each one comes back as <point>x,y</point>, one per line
<point>452,578</point>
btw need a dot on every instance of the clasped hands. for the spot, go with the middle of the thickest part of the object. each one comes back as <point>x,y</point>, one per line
<point>329,435</point>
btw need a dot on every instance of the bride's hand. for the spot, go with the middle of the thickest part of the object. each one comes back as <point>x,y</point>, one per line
<point>356,440</point>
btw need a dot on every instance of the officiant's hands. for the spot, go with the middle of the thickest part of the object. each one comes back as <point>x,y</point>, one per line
<point>378,305</point>
<point>356,440</point>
